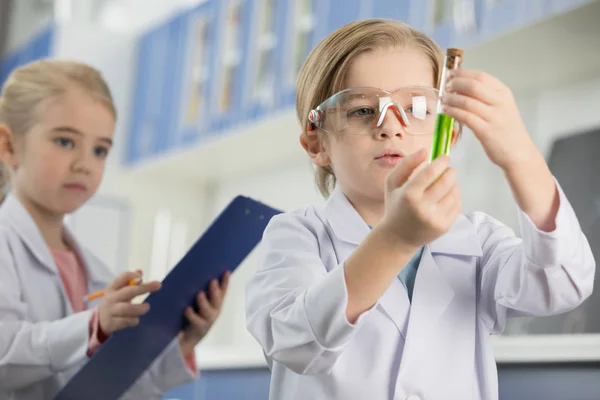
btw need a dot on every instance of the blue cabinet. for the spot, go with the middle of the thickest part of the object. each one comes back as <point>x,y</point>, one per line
<point>306,24</point>
<point>343,12</point>
<point>172,77</point>
<point>501,16</point>
<point>197,67</point>
<point>232,44</point>
<point>172,84</point>
<point>211,69</point>
<point>38,47</point>
<point>147,97</point>
<point>396,10</point>
<point>267,44</point>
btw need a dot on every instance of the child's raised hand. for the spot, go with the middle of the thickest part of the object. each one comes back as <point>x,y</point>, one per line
<point>421,207</point>
<point>487,106</point>
<point>209,308</point>
<point>116,311</point>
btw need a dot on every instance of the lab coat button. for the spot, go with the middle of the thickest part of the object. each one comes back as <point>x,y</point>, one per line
<point>413,397</point>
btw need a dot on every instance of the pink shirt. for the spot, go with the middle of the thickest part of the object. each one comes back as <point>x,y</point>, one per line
<point>73,277</point>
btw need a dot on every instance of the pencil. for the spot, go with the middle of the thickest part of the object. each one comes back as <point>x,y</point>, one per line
<point>100,293</point>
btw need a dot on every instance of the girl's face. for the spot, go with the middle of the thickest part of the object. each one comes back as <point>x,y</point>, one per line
<point>361,163</point>
<point>59,162</point>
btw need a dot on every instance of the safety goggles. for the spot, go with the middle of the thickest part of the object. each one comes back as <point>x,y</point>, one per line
<point>361,110</point>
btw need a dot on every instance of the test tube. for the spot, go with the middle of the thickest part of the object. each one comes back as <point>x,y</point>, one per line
<point>442,136</point>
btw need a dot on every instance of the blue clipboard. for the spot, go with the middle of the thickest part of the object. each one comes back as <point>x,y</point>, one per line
<point>128,353</point>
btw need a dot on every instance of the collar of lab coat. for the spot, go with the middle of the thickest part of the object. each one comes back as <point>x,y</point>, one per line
<point>13,211</point>
<point>349,227</point>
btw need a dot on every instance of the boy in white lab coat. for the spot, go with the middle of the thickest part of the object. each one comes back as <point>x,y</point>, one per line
<point>57,121</point>
<point>404,310</point>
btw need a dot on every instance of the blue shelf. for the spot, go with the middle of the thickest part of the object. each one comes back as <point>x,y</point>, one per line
<point>176,33</point>
<point>398,10</point>
<point>38,47</point>
<point>199,46</point>
<point>166,59</point>
<point>346,11</point>
<point>257,108</point>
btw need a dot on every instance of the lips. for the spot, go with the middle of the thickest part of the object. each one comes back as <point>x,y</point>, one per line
<point>79,187</point>
<point>389,157</point>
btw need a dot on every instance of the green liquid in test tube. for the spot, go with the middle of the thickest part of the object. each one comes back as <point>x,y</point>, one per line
<point>442,136</point>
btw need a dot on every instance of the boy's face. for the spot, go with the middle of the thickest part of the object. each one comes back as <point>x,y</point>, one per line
<point>359,162</point>
<point>59,163</point>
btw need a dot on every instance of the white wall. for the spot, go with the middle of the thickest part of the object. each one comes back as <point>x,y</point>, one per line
<point>114,55</point>
<point>137,15</point>
<point>186,206</point>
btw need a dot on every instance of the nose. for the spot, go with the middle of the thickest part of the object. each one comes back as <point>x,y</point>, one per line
<point>391,122</point>
<point>81,162</point>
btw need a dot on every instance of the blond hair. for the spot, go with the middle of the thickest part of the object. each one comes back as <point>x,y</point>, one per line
<point>324,71</point>
<point>31,86</point>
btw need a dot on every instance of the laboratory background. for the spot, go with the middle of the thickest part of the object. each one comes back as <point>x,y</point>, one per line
<point>205,92</point>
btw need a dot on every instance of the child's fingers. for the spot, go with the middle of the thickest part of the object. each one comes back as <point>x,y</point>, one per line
<point>123,279</point>
<point>215,295</point>
<point>472,120</point>
<point>426,176</point>
<point>418,169</point>
<point>479,76</point>
<point>451,204</point>
<point>128,310</point>
<point>196,320</point>
<point>441,187</point>
<point>472,88</point>
<point>122,323</point>
<point>468,104</point>
<point>128,293</point>
<point>401,172</point>
<point>225,282</point>
<point>205,309</point>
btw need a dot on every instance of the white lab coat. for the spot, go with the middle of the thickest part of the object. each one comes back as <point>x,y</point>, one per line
<point>42,342</point>
<point>437,348</point>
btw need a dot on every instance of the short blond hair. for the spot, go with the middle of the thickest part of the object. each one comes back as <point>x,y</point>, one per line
<point>31,86</point>
<point>324,71</point>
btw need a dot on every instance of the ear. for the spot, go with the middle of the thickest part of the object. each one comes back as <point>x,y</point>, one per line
<point>315,149</point>
<point>8,155</point>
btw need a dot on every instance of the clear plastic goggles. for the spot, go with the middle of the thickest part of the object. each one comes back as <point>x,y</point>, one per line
<point>361,111</point>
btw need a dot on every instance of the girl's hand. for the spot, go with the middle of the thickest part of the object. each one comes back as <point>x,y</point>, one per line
<point>200,322</point>
<point>116,311</point>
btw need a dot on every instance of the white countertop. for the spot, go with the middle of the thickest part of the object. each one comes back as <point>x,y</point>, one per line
<point>229,357</point>
<point>515,349</point>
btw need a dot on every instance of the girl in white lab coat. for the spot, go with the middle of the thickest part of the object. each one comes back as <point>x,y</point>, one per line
<point>57,121</point>
<point>404,310</point>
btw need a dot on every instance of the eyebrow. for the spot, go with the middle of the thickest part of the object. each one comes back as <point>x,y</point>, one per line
<point>79,133</point>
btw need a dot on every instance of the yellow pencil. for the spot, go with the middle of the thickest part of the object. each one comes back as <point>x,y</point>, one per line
<point>100,293</point>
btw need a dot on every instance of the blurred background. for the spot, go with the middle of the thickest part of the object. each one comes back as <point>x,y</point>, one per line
<point>205,95</point>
